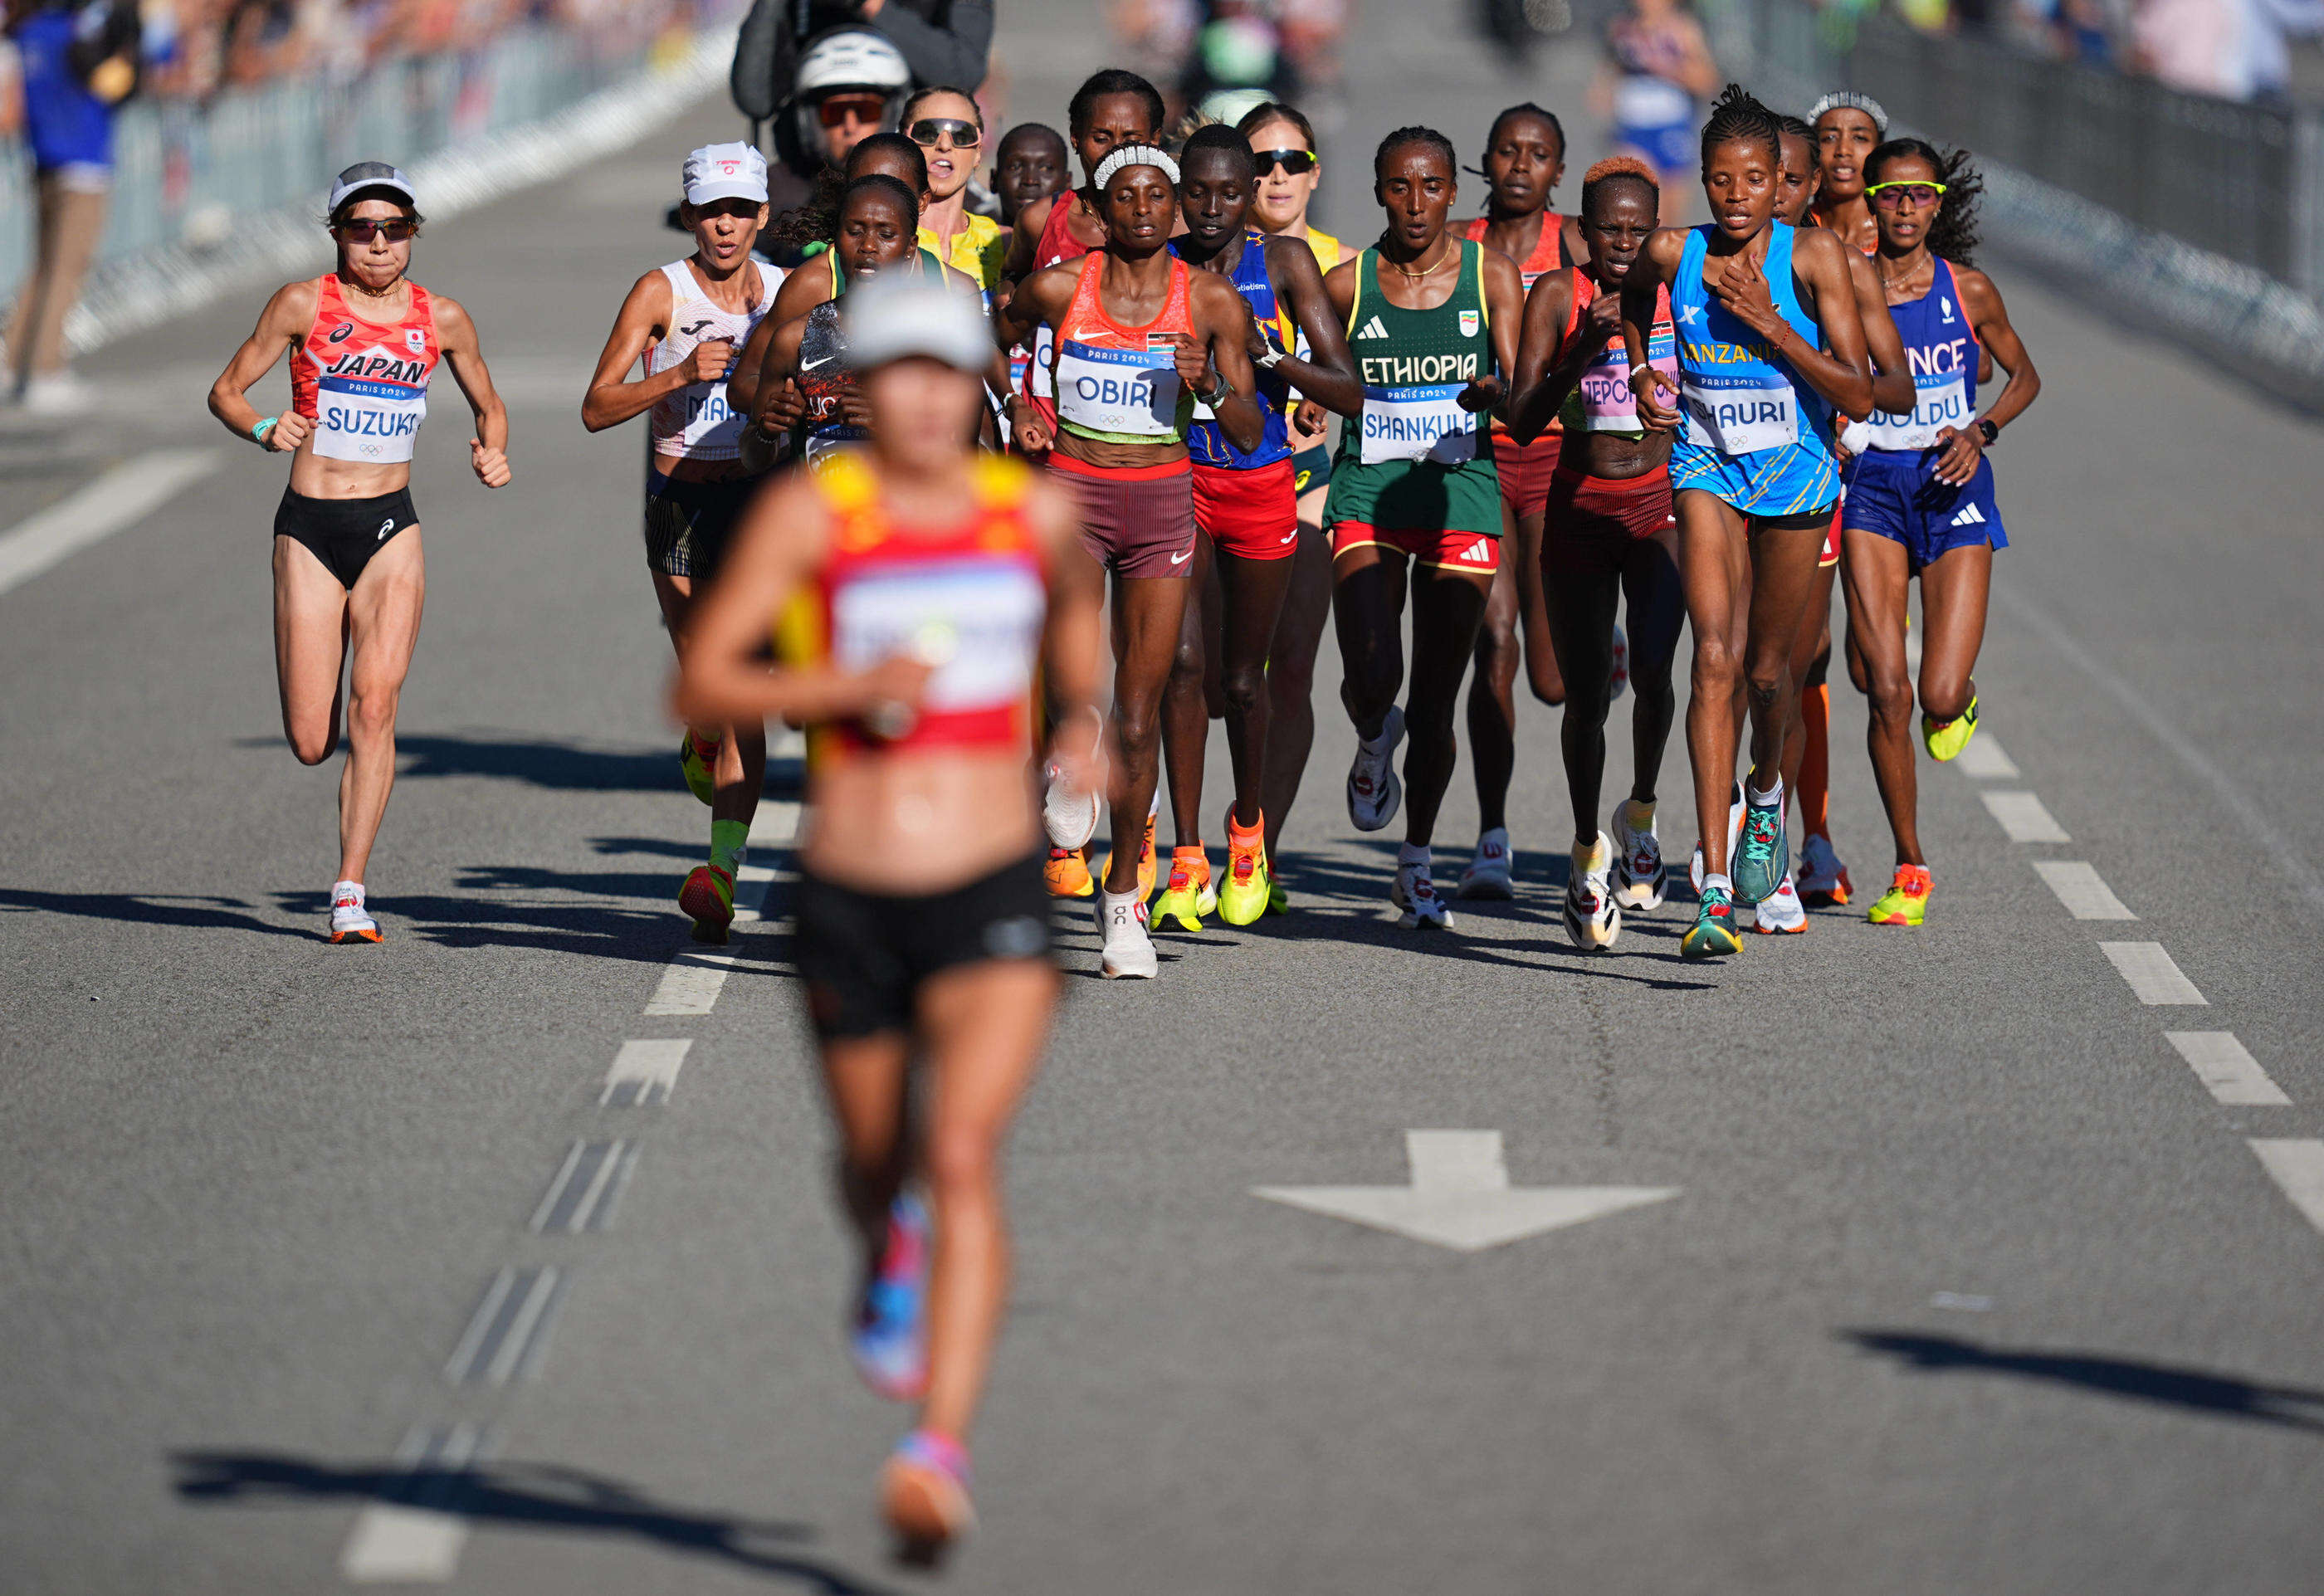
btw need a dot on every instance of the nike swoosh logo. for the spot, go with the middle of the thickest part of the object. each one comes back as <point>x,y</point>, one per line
<point>809,366</point>
<point>1179,559</point>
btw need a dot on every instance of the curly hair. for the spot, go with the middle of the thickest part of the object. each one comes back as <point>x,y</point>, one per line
<point>1737,117</point>
<point>1617,170</point>
<point>1402,136</point>
<point>818,220</point>
<point>1954,233</point>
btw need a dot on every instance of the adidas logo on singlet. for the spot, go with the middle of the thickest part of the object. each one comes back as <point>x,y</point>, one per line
<point>1970,516</point>
<point>1374,328</point>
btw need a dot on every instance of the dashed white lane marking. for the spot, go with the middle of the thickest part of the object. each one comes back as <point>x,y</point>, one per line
<point>775,825</point>
<point>585,1189</point>
<point>2153,974</point>
<point>2298,1166</point>
<point>2025,817</point>
<point>508,1334</point>
<point>2079,887</point>
<point>2227,1068</point>
<point>692,983</point>
<point>1985,759</point>
<point>644,1073</point>
<point>415,1541</point>
<point>122,497</point>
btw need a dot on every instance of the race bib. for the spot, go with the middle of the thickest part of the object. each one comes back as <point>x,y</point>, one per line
<point>1607,402</point>
<point>976,622</point>
<point>698,419</point>
<point>1037,380</point>
<point>1941,400</point>
<point>1133,392</point>
<point>1417,424</point>
<point>1739,415</point>
<point>368,419</point>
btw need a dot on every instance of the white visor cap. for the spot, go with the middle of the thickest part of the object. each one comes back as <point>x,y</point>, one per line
<point>370,174</point>
<point>892,317</point>
<point>726,171</point>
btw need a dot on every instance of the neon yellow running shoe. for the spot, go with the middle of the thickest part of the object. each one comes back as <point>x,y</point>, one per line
<point>1190,894</point>
<point>701,780</point>
<point>1946,739</point>
<point>1249,882</point>
<point>1278,901</point>
<point>1906,900</point>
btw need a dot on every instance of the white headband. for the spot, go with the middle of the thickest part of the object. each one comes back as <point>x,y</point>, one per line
<point>1135,155</point>
<point>1848,99</point>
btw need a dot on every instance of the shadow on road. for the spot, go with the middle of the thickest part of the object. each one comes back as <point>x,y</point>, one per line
<point>564,767</point>
<point>533,1496</point>
<point>152,909</point>
<point>2291,1407</point>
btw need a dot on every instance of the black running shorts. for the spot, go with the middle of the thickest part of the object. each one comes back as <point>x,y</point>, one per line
<point>689,523</point>
<point>863,955</point>
<point>345,533</point>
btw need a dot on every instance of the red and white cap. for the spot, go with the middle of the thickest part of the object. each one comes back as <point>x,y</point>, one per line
<point>726,171</point>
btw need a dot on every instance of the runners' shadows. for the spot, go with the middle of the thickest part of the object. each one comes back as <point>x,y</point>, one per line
<point>156,909</point>
<point>2201,1390</point>
<point>532,1496</point>
<point>564,767</point>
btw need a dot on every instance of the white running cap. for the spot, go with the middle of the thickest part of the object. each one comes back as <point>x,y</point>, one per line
<point>370,174</point>
<point>726,171</point>
<point>891,317</point>
<point>1129,155</point>
<point>1848,99</point>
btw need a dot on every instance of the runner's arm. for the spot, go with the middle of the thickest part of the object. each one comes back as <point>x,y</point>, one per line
<point>612,398</point>
<point>1504,287</point>
<point>1220,354</point>
<point>286,319</point>
<point>1025,237</point>
<point>780,349</point>
<point>1988,318</point>
<point>1843,376</point>
<point>465,353</point>
<point>1891,375</point>
<point>1540,386</point>
<point>1329,376</point>
<point>1657,265</point>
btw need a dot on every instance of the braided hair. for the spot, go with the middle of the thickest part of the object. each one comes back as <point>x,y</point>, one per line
<point>1403,136</point>
<point>1954,233</point>
<point>1736,117</point>
<point>1617,169</point>
<point>818,220</point>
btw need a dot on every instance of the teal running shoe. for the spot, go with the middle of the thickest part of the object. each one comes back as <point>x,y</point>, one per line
<point>1761,853</point>
<point>1713,935</point>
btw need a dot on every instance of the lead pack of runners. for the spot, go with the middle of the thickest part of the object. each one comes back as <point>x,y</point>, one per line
<point>909,489</point>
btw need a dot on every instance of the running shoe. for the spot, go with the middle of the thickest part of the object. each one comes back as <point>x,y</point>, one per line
<point>1374,793</point>
<point>1761,857</point>
<point>1067,873</point>
<point>1414,893</point>
<point>1145,857</point>
<point>1712,934</point>
<point>1823,878</point>
<point>889,1340</point>
<point>1592,917</point>
<point>924,1493</point>
<point>700,765</point>
<point>1128,950</point>
<point>1488,874</point>
<point>1638,870</point>
<point>1190,894</point>
<point>1278,900</point>
<point>708,897</point>
<point>1945,739</point>
<point>1249,890</point>
<point>1906,900</point>
<point>350,921</point>
<point>1070,813</point>
<point>1734,830</point>
<point>1781,910</point>
<point>1618,683</point>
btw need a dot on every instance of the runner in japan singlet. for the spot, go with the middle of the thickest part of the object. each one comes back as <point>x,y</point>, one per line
<point>365,383</point>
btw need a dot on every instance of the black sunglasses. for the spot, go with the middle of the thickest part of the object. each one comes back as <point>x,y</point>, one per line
<point>1296,163</point>
<point>966,135</point>
<point>365,230</point>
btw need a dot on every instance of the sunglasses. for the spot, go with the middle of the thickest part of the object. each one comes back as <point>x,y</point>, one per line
<point>966,135</point>
<point>862,108</point>
<point>1296,163</point>
<point>363,232</point>
<point>1889,196</point>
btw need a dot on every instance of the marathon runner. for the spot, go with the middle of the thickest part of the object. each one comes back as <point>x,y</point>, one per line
<point>1525,161</point>
<point>912,587</point>
<point>1140,338</point>
<point>687,319</point>
<point>949,128</point>
<point>1609,534</point>
<point>1658,67</point>
<point>1920,497</point>
<point>1030,164</point>
<point>1756,304</point>
<point>349,577</point>
<point>1432,320</point>
<point>1247,521</point>
<point>1848,125</point>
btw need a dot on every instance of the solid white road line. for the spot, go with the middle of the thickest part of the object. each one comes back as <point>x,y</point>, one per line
<point>1985,759</point>
<point>2023,817</point>
<point>644,1073</point>
<point>692,983</point>
<point>122,497</point>
<point>775,825</point>
<point>2078,887</point>
<point>2152,973</point>
<point>2298,1166</point>
<point>414,1542</point>
<point>2227,1068</point>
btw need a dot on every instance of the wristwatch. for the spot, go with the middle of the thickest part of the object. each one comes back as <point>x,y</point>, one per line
<point>1218,395</point>
<point>1988,431</point>
<point>1267,362</point>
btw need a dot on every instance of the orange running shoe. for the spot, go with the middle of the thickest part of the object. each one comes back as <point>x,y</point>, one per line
<point>1067,873</point>
<point>708,897</point>
<point>1906,900</point>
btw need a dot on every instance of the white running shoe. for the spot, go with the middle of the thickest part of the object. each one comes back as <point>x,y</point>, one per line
<point>1823,878</point>
<point>1734,830</point>
<point>1129,950</point>
<point>62,394</point>
<point>1415,892</point>
<point>1619,682</point>
<point>1374,793</point>
<point>1593,917</point>
<point>1638,869</point>
<point>1488,874</point>
<point>1069,813</point>
<point>350,921</point>
<point>1782,912</point>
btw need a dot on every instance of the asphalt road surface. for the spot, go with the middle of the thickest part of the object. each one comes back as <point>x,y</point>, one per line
<point>1944,1266</point>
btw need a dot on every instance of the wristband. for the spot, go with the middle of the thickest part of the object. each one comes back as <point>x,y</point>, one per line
<point>259,430</point>
<point>1218,395</point>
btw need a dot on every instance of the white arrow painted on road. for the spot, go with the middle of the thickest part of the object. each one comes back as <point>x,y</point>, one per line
<point>1461,1197</point>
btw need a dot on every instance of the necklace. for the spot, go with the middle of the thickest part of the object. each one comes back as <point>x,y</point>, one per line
<point>1410,276</point>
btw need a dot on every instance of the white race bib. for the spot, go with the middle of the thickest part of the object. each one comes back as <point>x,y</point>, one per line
<point>977,622</point>
<point>1417,424</point>
<point>1037,381</point>
<point>1941,400</point>
<point>368,419</point>
<point>1132,393</point>
<point>1739,415</point>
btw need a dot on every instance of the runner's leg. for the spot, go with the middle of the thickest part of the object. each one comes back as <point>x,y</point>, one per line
<point>1291,670</point>
<point>1954,591</point>
<point>1185,706</point>
<point>1367,587</point>
<point>1148,614</point>
<point>382,626</point>
<point>1656,602</point>
<point>1448,608</point>
<point>1716,568</point>
<point>1544,673</point>
<point>1580,614</point>
<point>1783,575</point>
<point>1251,593</point>
<point>1492,694</point>
<point>310,632</point>
<point>1879,581</point>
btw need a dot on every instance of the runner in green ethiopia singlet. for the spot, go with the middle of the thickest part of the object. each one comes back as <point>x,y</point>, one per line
<point>1414,458</point>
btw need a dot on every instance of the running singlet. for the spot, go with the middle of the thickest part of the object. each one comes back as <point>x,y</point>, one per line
<point>1205,441</point>
<point>1414,365</point>
<point>365,383</point>
<point>1116,384</point>
<point>825,379</point>
<point>1652,113</point>
<point>968,600</point>
<point>1754,433</point>
<point>1603,402</point>
<point>1940,351</point>
<point>976,252</point>
<point>1548,252</point>
<point>695,422</point>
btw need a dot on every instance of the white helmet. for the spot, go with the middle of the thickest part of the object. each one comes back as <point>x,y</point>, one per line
<point>851,58</point>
